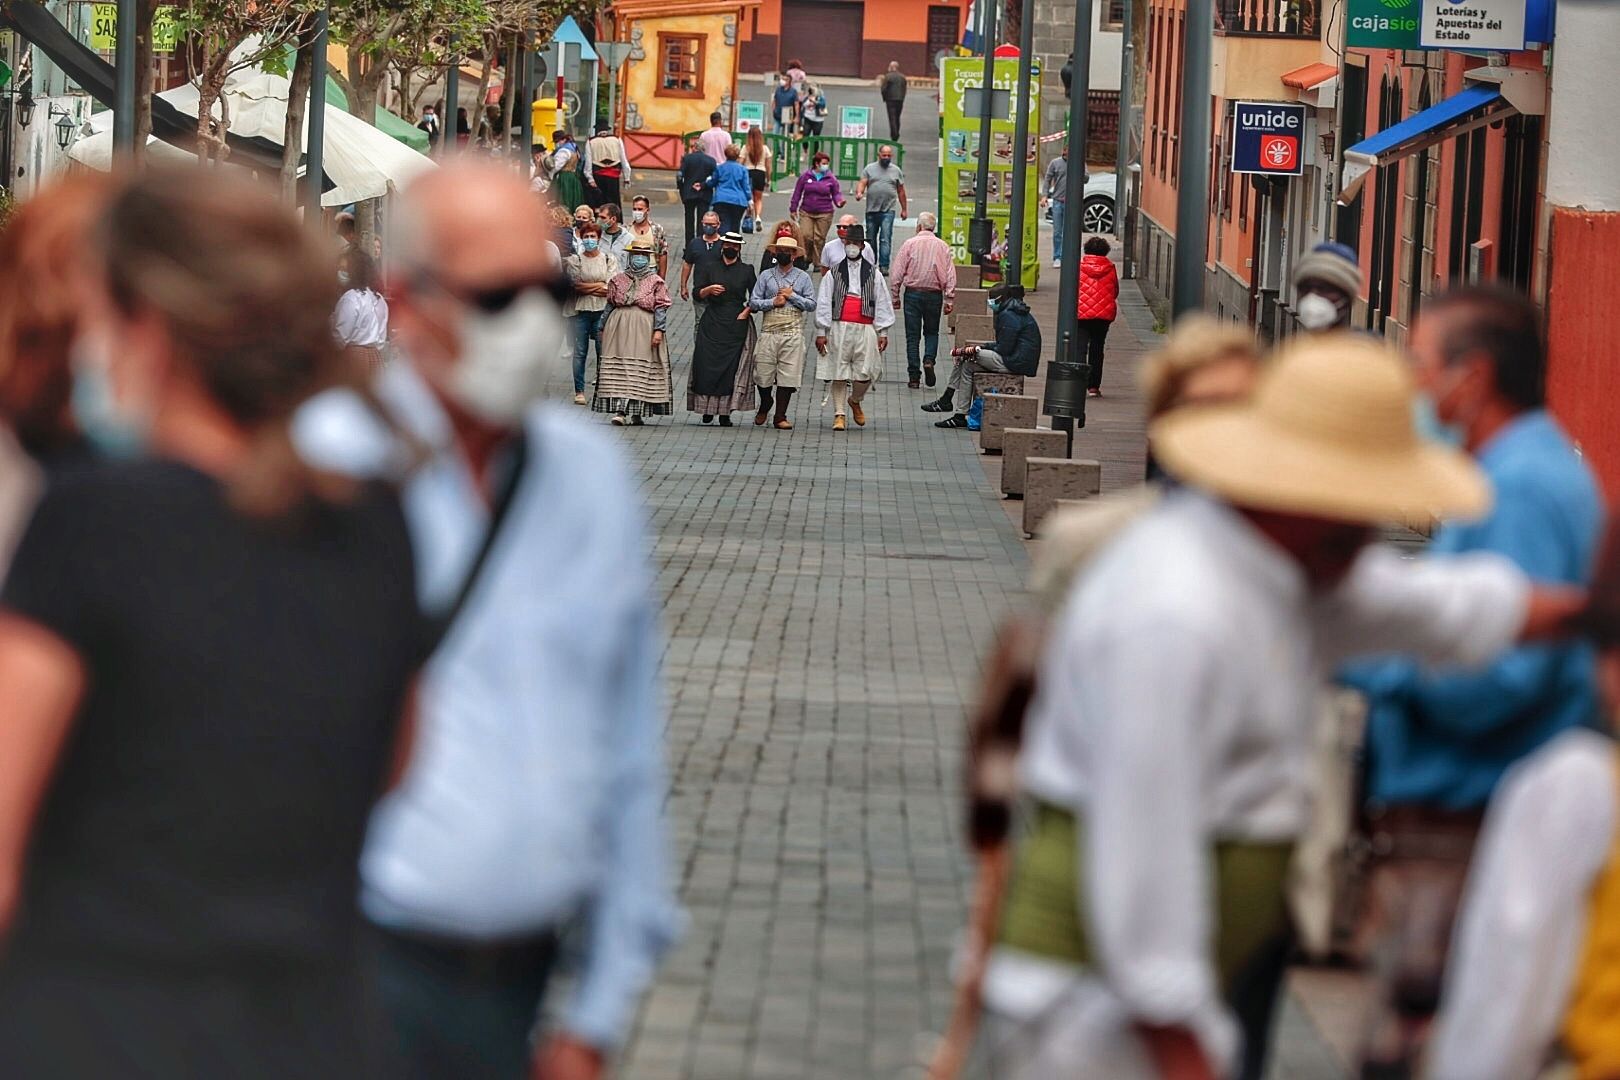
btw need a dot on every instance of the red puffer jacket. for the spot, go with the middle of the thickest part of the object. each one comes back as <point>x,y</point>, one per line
<point>1099,288</point>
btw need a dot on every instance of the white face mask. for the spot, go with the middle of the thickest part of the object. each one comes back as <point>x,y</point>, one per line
<point>638,216</point>
<point>115,429</point>
<point>1317,312</point>
<point>507,358</point>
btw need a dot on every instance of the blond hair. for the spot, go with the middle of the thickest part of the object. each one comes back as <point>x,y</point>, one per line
<point>1195,341</point>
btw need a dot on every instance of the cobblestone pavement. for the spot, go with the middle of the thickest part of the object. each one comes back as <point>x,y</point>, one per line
<point>828,597</point>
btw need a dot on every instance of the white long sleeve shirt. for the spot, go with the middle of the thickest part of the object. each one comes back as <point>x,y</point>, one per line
<point>883,306</point>
<point>1173,711</point>
<point>1547,836</point>
<point>361,319</point>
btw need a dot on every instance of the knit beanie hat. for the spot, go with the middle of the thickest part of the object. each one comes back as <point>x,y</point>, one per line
<point>1332,264</point>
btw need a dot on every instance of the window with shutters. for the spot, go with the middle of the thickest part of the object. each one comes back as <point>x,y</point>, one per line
<point>680,65</point>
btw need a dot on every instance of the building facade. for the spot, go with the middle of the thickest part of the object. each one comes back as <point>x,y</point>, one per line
<point>851,38</point>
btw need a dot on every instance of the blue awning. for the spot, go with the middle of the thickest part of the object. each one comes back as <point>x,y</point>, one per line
<point>1476,104</point>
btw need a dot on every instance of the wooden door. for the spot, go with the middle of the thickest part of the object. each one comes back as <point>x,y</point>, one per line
<point>825,34</point>
<point>943,30</point>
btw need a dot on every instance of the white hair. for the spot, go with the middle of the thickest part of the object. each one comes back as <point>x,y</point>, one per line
<point>927,222</point>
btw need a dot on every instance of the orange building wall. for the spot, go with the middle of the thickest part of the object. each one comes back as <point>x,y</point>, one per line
<point>891,30</point>
<point>1583,336</point>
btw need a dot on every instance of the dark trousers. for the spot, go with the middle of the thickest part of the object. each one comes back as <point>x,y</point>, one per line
<point>1095,332</point>
<point>695,209</point>
<point>731,216</point>
<point>922,327</point>
<point>608,188</point>
<point>1253,996</point>
<point>464,1012</point>
<point>894,118</point>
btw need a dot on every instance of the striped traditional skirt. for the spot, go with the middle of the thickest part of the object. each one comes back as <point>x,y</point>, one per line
<point>632,378</point>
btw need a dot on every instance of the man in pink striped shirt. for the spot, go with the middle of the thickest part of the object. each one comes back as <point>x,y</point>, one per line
<point>925,272</point>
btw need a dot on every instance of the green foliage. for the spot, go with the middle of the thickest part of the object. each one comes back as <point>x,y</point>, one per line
<point>8,206</point>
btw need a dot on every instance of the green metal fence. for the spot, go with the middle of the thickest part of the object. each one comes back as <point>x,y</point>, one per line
<point>791,157</point>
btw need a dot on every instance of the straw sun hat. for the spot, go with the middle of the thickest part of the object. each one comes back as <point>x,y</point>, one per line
<point>1328,433</point>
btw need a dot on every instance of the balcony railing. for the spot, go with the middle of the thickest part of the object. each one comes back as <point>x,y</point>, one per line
<point>1270,18</point>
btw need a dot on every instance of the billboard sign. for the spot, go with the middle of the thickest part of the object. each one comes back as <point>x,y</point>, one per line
<point>1268,137</point>
<point>1383,24</point>
<point>1473,24</point>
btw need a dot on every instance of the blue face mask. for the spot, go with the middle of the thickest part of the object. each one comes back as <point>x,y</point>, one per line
<point>993,305</point>
<point>590,243</point>
<point>640,262</point>
<point>108,428</point>
<point>1426,419</point>
<point>821,172</point>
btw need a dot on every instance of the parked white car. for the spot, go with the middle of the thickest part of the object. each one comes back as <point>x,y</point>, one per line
<point>1097,207</point>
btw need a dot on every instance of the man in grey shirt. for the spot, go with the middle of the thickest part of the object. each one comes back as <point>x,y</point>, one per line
<point>883,185</point>
<point>1055,194</point>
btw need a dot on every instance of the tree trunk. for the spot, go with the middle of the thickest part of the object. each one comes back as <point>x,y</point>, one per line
<point>513,78</point>
<point>363,104</point>
<point>476,118</point>
<point>292,140</point>
<point>144,11</point>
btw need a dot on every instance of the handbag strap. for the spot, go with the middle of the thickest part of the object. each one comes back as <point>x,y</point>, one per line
<point>516,464</point>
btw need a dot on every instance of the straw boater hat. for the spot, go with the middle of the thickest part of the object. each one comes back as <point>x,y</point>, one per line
<point>1328,433</point>
<point>732,237</point>
<point>785,242</point>
<point>642,243</point>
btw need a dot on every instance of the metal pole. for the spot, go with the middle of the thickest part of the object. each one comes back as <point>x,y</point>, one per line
<point>1020,170</point>
<point>124,79</point>
<point>1122,152</point>
<point>1068,347</point>
<point>979,228</point>
<point>1192,215</point>
<point>315,145</point>
<point>448,144</point>
<point>525,92</point>
<point>613,97</point>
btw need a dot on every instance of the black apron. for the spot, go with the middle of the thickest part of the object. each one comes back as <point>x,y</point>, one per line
<point>721,336</point>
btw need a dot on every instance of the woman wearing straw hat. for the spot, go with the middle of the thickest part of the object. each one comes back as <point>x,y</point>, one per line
<point>632,370</point>
<point>782,295</point>
<point>1173,756</point>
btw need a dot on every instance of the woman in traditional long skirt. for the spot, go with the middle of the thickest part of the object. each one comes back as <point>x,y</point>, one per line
<point>723,349</point>
<point>632,374</point>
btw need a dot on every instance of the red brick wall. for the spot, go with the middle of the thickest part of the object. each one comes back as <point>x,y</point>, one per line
<point>1583,336</point>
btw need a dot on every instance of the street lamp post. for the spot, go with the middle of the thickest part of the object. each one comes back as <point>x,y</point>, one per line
<point>979,228</point>
<point>1066,373</point>
<point>1020,170</point>
<point>1192,217</point>
<point>124,79</point>
<point>315,146</point>
<point>1122,152</point>
<point>449,130</point>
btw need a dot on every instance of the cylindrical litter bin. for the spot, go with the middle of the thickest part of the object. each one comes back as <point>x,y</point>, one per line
<point>1065,394</point>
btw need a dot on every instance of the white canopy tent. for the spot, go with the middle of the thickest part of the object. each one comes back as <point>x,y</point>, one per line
<point>360,161</point>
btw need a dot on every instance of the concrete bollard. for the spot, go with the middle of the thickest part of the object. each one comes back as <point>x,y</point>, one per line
<point>967,277</point>
<point>975,330</point>
<point>1003,411</point>
<point>1050,479</point>
<point>997,382</point>
<point>968,302</point>
<point>1018,445</point>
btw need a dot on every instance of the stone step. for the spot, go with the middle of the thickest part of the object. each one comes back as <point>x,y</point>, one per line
<point>997,382</point>
<point>1018,445</point>
<point>975,330</point>
<point>1047,480</point>
<point>1003,411</point>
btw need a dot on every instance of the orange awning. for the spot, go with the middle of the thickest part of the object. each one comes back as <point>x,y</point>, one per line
<point>1310,75</point>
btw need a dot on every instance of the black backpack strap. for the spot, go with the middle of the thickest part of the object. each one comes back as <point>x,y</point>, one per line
<point>517,460</point>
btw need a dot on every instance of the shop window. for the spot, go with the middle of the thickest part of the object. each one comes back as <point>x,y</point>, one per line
<point>1114,15</point>
<point>680,65</point>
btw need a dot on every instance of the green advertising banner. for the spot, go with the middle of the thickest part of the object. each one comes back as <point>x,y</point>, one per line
<point>1383,24</point>
<point>959,159</point>
<point>104,28</point>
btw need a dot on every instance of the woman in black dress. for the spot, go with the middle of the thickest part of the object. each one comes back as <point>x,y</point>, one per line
<point>723,344</point>
<point>204,657</point>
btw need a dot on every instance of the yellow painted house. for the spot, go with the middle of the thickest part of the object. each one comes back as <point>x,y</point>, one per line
<point>683,66</point>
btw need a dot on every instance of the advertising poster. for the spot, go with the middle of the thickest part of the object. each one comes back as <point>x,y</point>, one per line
<point>959,159</point>
<point>750,114</point>
<point>1382,24</point>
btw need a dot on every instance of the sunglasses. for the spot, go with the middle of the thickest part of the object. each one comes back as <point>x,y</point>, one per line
<point>494,299</point>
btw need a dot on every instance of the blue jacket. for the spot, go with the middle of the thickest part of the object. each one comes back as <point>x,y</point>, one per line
<point>1018,338</point>
<point>1444,739</point>
<point>731,184</point>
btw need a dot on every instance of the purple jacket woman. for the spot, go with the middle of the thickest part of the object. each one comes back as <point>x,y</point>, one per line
<point>815,197</point>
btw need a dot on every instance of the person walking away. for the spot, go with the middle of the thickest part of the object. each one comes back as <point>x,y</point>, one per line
<point>174,889</point>
<point>614,236</point>
<point>1017,350</point>
<point>892,88</point>
<point>1438,743</point>
<point>715,140</point>
<point>1533,965</point>
<point>796,73</point>
<point>360,321</point>
<point>782,294</point>
<point>785,106</point>
<point>756,158</point>
<point>1055,196</point>
<point>853,316</point>
<point>812,109</point>
<point>563,166</point>
<point>833,253</point>
<point>692,180</point>
<point>463,128</point>
<point>1326,281</point>
<point>733,193</point>
<point>606,164</point>
<point>885,183</point>
<point>924,285</point>
<point>722,380</point>
<point>1181,769</point>
<point>633,375</point>
<point>816,195</point>
<point>534,812</point>
<point>588,274</point>
<point>699,251</point>
<point>642,224</point>
<point>784,229</point>
<point>1098,306</point>
<point>430,124</point>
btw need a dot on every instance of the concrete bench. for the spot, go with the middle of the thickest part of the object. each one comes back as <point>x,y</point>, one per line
<point>1018,445</point>
<point>997,382</point>
<point>968,302</point>
<point>1003,411</point>
<point>974,330</point>
<point>967,277</point>
<point>1047,480</point>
